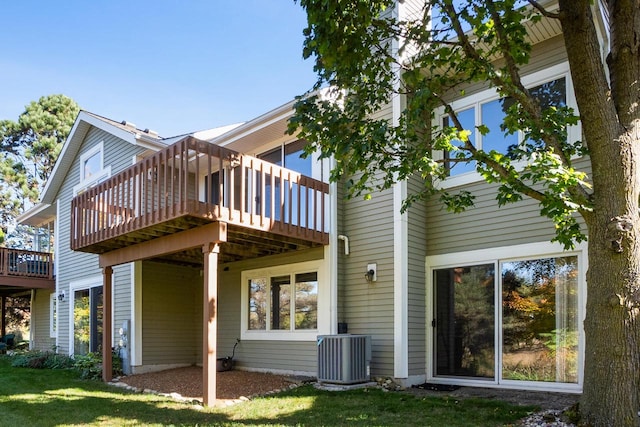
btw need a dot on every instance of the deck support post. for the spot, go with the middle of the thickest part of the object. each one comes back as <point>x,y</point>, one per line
<point>107,324</point>
<point>209,333</point>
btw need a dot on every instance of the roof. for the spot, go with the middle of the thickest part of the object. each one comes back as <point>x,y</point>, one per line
<point>241,137</point>
<point>44,211</point>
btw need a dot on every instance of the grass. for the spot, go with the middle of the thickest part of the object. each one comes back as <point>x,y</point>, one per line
<point>43,397</point>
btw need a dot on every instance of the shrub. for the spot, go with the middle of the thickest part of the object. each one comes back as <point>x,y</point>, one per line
<point>90,365</point>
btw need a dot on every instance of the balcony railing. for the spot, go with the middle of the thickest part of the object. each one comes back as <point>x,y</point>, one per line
<point>194,178</point>
<point>19,263</point>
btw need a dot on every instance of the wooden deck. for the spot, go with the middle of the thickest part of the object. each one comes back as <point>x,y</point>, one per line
<point>21,270</point>
<point>267,209</point>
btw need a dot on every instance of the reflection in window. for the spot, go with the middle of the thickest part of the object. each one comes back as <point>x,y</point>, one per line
<point>540,320</point>
<point>467,120</point>
<point>87,320</point>
<point>92,165</point>
<point>493,114</point>
<point>307,301</point>
<point>258,304</point>
<point>465,321</point>
<point>291,157</point>
<point>280,302</point>
<point>274,302</point>
<point>552,94</point>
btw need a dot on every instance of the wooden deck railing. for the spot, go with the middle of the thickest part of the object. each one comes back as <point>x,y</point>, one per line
<point>196,178</point>
<point>21,263</point>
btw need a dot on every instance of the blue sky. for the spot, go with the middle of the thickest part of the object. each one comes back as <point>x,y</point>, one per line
<point>171,66</point>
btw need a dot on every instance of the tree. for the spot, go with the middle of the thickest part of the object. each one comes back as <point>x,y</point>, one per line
<point>366,57</point>
<point>28,151</point>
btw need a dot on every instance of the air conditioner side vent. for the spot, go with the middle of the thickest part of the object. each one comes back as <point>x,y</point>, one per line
<point>344,359</point>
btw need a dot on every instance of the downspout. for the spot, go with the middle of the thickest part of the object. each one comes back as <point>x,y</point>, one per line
<point>345,239</point>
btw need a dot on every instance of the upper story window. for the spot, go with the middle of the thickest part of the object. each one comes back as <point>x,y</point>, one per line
<point>550,87</point>
<point>290,157</point>
<point>92,168</point>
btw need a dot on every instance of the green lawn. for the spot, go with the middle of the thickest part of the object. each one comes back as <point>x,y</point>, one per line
<point>43,397</point>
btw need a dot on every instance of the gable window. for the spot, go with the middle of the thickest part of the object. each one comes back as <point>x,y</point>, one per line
<point>283,301</point>
<point>92,169</point>
<point>550,87</point>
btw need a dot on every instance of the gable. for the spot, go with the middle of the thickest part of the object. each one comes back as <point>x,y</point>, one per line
<point>85,123</point>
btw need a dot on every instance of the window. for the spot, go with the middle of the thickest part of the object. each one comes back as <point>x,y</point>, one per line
<point>290,157</point>
<point>87,320</point>
<point>273,302</point>
<point>283,301</point>
<point>510,318</point>
<point>53,315</point>
<point>551,88</point>
<point>86,309</point>
<point>92,170</point>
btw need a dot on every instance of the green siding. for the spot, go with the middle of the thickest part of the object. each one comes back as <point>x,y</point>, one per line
<point>75,266</point>
<point>40,321</point>
<point>171,314</point>
<point>368,308</point>
<point>288,356</point>
<point>416,310</point>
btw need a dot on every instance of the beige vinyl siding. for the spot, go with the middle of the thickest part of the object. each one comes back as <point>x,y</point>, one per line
<point>288,356</point>
<point>75,266</point>
<point>486,224</point>
<point>172,322</point>
<point>40,321</point>
<point>368,308</point>
<point>171,314</point>
<point>282,356</point>
<point>122,283</point>
<point>416,310</point>
<point>543,56</point>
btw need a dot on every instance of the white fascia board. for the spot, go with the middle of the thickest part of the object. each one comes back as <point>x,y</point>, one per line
<point>35,214</point>
<point>274,116</point>
<point>75,140</point>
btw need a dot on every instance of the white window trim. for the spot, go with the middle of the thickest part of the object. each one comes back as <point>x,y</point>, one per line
<point>574,133</point>
<point>324,301</point>
<point>53,320</point>
<point>88,283</point>
<point>99,176</point>
<point>497,256</point>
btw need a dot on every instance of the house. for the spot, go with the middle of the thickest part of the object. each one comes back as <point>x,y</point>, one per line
<point>176,248</point>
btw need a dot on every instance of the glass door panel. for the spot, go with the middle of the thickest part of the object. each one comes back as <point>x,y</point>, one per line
<point>540,320</point>
<point>464,323</point>
<point>81,316</point>
<point>87,320</point>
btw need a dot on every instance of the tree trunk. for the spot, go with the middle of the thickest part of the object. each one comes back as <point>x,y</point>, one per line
<point>611,128</point>
<point>612,329</point>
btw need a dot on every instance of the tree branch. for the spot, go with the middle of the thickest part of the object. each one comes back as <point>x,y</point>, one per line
<point>543,11</point>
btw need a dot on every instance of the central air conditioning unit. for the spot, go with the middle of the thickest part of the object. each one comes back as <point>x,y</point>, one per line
<point>344,359</point>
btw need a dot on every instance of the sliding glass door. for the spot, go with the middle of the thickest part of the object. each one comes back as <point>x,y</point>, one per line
<point>521,324</point>
<point>464,323</point>
<point>87,320</point>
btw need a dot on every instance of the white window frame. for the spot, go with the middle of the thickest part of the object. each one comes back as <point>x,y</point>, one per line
<point>53,315</point>
<point>574,133</point>
<point>498,256</point>
<point>96,178</point>
<point>88,283</point>
<point>318,266</point>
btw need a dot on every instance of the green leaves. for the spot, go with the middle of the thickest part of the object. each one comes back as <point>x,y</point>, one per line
<point>369,57</point>
<point>29,149</point>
